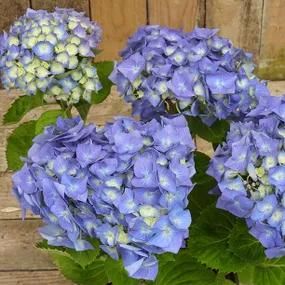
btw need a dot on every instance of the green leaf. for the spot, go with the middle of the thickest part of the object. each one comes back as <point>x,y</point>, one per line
<point>221,280</point>
<point>215,134</point>
<point>116,273</point>
<point>259,270</point>
<point>94,273</point>
<point>88,260</point>
<point>201,161</point>
<point>18,144</point>
<point>166,257</point>
<point>209,237</point>
<point>201,165</point>
<point>22,106</point>
<point>78,267</point>
<point>199,197</point>
<point>47,118</point>
<point>185,270</point>
<point>226,282</point>
<point>83,108</point>
<point>244,245</point>
<point>83,258</point>
<point>269,272</point>
<point>104,69</point>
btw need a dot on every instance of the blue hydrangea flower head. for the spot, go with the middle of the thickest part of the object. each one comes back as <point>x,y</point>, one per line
<point>51,52</point>
<point>199,73</point>
<point>250,170</point>
<point>125,184</point>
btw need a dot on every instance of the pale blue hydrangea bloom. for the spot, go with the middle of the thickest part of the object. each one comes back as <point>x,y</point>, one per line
<point>125,184</point>
<point>200,73</point>
<point>250,170</point>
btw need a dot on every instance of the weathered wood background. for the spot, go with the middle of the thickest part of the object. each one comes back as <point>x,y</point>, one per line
<point>257,25</point>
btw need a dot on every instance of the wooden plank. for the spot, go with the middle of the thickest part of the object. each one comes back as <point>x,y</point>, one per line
<point>4,134</point>
<point>272,49</point>
<point>277,87</point>
<point>201,20</point>
<point>204,146</point>
<point>179,14</point>
<point>10,11</point>
<point>82,5</point>
<point>112,107</point>
<point>119,20</point>
<point>9,207</point>
<point>49,277</point>
<point>17,246</point>
<point>238,20</point>
<point>6,98</point>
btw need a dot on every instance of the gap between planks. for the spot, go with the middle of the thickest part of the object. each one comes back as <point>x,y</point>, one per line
<point>43,277</point>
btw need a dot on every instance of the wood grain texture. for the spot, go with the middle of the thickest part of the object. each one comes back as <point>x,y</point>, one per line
<point>277,87</point>
<point>204,146</point>
<point>272,49</point>
<point>10,11</point>
<point>79,5</point>
<point>49,277</point>
<point>17,246</point>
<point>181,14</point>
<point>119,20</point>
<point>239,20</point>
<point>9,208</point>
<point>113,106</point>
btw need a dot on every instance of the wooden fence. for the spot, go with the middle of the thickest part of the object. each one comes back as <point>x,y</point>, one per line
<point>256,25</point>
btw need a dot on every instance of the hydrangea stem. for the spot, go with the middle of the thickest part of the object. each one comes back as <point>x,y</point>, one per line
<point>68,112</point>
<point>66,108</point>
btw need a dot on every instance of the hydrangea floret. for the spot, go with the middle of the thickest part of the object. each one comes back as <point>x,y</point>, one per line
<point>125,184</point>
<point>197,73</point>
<point>250,170</point>
<point>53,53</point>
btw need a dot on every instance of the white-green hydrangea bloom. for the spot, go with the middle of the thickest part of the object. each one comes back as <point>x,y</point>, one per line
<point>52,52</point>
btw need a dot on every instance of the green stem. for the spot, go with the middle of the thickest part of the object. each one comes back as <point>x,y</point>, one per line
<point>68,112</point>
<point>66,108</point>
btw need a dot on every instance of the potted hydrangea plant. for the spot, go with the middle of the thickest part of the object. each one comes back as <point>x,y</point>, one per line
<point>134,202</point>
